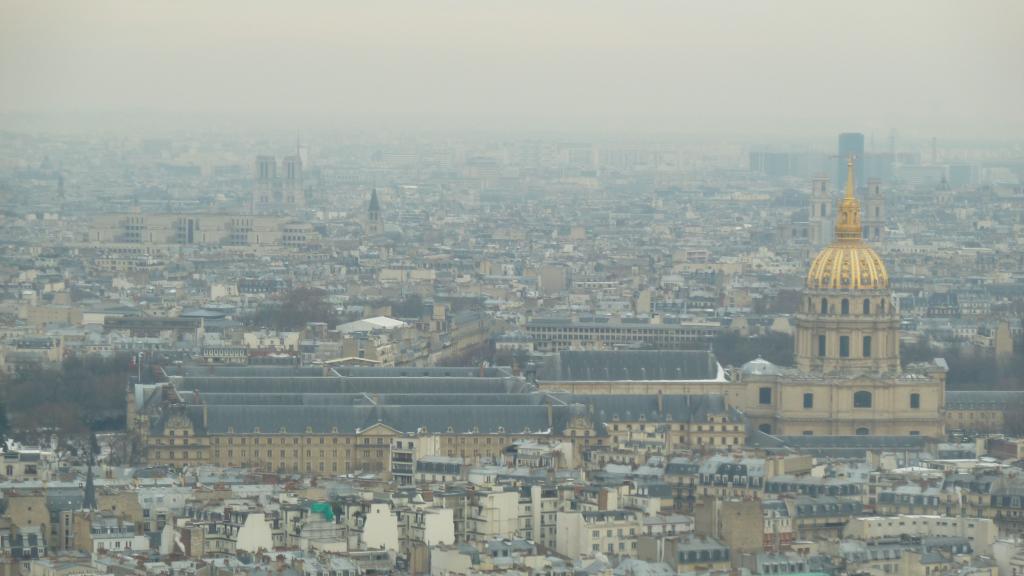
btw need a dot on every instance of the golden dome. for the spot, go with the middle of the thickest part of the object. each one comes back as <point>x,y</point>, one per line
<point>848,263</point>
<point>848,267</point>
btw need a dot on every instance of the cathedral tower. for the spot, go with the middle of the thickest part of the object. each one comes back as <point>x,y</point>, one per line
<point>294,195</point>
<point>263,192</point>
<point>874,212</point>
<point>820,214</point>
<point>374,225</point>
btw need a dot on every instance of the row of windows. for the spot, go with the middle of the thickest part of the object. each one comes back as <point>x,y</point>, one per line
<point>861,398</point>
<point>724,441</point>
<point>862,431</point>
<point>295,453</point>
<point>611,547</point>
<point>623,331</point>
<point>270,440</point>
<point>844,346</point>
<point>610,533</point>
<point>700,427</point>
<point>844,306</point>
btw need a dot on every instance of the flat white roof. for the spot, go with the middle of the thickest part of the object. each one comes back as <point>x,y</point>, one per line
<point>370,324</point>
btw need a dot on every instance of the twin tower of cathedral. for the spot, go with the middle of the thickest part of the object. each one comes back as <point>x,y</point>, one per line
<point>821,217</point>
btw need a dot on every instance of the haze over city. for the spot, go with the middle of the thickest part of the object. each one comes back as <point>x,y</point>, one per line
<point>556,288</point>
<point>763,68</point>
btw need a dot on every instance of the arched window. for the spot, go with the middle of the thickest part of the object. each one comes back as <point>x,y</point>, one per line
<point>863,431</point>
<point>862,399</point>
<point>845,307</point>
<point>867,306</point>
<point>881,306</point>
<point>766,428</point>
<point>824,306</point>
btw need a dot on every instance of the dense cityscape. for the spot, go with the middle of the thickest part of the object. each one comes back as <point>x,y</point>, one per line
<point>337,352</point>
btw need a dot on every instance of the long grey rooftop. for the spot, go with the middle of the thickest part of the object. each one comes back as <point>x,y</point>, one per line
<point>325,419</point>
<point>353,385</point>
<point>365,399</point>
<point>629,365</point>
<point>984,399</point>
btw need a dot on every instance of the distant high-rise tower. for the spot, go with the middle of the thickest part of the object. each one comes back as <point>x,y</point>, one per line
<point>850,144</point>
<point>820,220</point>
<point>874,211</point>
<point>293,193</point>
<point>374,225</point>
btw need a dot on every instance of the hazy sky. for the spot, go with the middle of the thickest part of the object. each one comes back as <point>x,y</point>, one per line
<point>946,68</point>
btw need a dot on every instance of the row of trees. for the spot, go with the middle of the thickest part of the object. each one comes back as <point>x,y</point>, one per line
<point>294,310</point>
<point>84,394</point>
<point>731,348</point>
<point>970,368</point>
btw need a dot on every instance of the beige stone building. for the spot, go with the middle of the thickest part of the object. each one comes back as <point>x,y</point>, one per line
<point>344,420</point>
<point>982,532</point>
<point>200,229</point>
<point>848,379</point>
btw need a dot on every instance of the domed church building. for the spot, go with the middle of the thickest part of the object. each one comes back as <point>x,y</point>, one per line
<point>847,379</point>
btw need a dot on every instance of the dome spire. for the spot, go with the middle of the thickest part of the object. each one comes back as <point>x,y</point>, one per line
<point>848,263</point>
<point>848,227</point>
<point>849,177</point>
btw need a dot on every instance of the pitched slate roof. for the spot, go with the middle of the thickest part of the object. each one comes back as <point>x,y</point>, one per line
<point>263,371</point>
<point>353,385</point>
<point>351,419</point>
<point>983,399</point>
<point>633,407</point>
<point>629,365</point>
<point>849,446</point>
